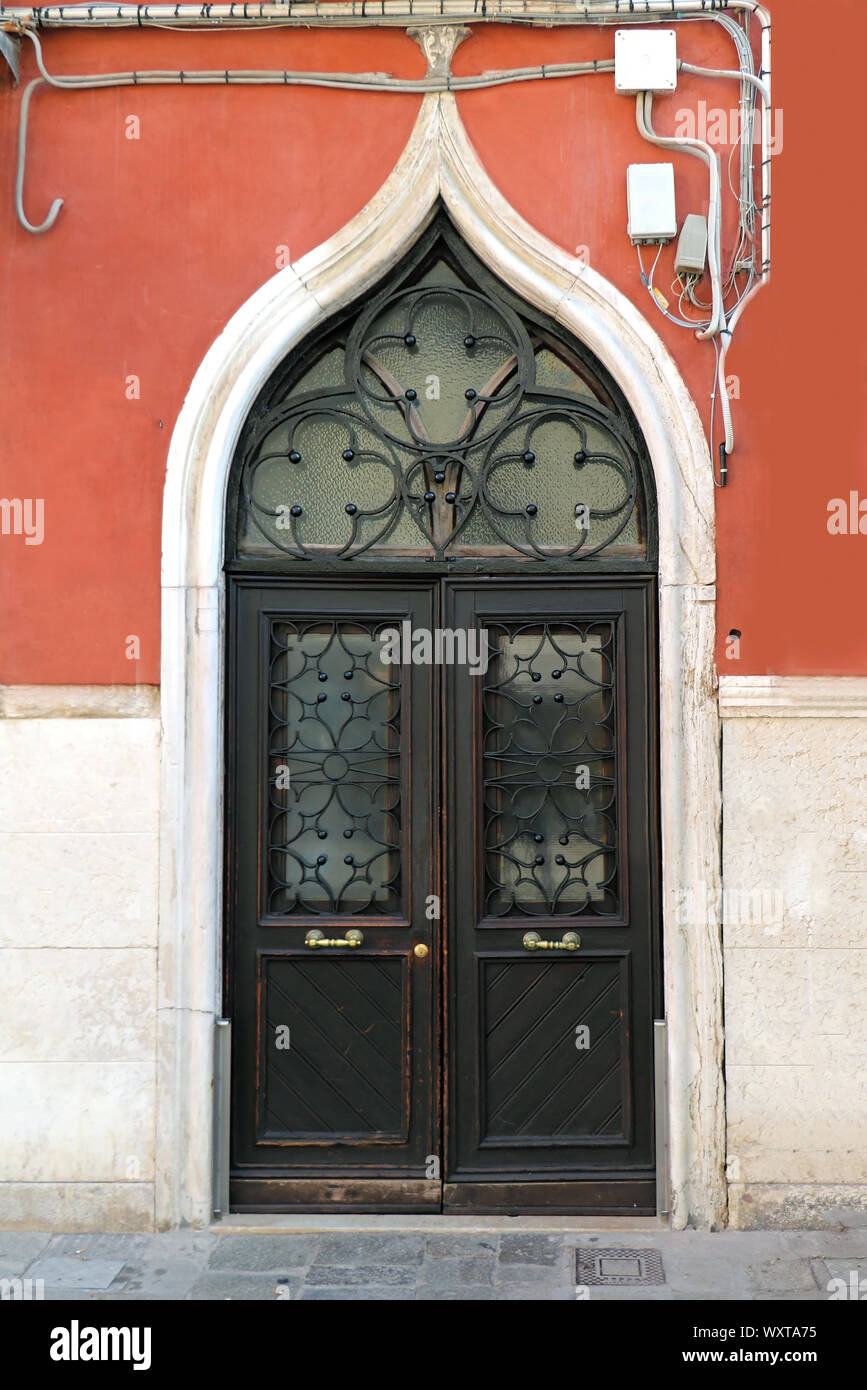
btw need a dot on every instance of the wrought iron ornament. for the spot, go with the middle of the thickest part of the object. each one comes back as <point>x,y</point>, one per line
<point>334,770</point>
<point>550,770</point>
<point>442,424</point>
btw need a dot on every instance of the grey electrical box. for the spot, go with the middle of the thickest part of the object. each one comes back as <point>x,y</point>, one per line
<point>645,60</point>
<point>692,248</point>
<point>650,198</point>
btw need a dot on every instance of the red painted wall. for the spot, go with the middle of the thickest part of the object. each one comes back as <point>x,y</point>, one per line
<point>162,238</point>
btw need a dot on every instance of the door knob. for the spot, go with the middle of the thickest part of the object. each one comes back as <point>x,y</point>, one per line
<point>420,951</point>
<point>317,938</point>
<point>533,942</point>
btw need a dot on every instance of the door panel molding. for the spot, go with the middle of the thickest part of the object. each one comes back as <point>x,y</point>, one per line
<point>384,1030</point>
<point>620,1056</point>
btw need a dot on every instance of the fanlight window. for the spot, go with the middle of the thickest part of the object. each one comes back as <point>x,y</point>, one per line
<point>438,421</point>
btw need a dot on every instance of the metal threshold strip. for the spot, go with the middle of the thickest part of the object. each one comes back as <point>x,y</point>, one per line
<point>439,1223</point>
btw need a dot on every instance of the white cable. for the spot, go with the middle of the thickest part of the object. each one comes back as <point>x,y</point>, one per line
<point>396,13</point>
<point>718,387</point>
<point>747,65</point>
<point>647,281</point>
<point>762,85</point>
<point>367,81</point>
<point>726,72</point>
<point>765,95</point>
<point>363,81</point>
<point>701,150</point>
<point>434,13</point>
<point>725,404</point>
<point>726,344</point>
<point>727,332</point>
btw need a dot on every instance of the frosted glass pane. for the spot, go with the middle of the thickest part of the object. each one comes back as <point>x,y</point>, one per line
<point>554,374</point>
<point>326,373</point>
<point>437,364</point>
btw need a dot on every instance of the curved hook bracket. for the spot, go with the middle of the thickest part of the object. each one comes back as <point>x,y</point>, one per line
<point>22,160</point>
<point>9,46</point>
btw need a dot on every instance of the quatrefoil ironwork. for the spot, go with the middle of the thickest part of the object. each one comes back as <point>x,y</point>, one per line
<point>440,419</point>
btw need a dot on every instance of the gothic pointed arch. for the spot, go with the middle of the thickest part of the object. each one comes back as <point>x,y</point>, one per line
<point>440,417</point>
<point>439,163</point>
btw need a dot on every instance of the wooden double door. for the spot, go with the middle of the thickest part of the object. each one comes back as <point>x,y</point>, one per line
<point>442,963</point>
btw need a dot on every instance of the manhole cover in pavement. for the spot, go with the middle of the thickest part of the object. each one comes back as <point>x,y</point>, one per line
<point>620,1267</point>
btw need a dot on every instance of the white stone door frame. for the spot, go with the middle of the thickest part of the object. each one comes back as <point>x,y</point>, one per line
<point>438,162</point>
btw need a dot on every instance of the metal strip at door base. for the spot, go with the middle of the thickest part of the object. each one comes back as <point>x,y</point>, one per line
<point>398,1196</point>
<point>617,1198</point>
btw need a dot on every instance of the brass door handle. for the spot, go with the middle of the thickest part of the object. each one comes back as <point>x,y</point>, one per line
<point>533,942</point>
<point>317,938</point>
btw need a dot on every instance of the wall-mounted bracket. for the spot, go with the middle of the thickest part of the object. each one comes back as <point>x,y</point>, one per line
<point>36,229</point>
<point>438,44</point>
<point>10,45</point>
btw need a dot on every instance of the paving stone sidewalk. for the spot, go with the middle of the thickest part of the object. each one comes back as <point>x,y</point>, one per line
<point>365,1264</point>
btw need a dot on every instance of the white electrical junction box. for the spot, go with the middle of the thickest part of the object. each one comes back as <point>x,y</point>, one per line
<point>645,60</point>
<point>651,203</point>
<point>691,253</point>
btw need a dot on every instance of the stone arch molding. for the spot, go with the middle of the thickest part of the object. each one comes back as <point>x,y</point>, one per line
<point>439,162</point>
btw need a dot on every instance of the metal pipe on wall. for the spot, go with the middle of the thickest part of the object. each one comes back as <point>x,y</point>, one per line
<point>377,12</point>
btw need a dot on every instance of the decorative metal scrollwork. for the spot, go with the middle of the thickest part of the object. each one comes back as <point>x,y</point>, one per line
<point>550,770</point>
<point>440,439</point>
<point>334,771</point>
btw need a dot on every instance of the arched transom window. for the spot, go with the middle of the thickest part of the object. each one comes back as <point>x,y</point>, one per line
<point>442,419</point>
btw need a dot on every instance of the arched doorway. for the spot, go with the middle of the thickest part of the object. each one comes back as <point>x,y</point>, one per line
<point>439,162</point>
<point>442,935</point>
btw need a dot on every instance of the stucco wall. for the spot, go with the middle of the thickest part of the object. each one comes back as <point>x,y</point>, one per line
<point>79,821</point>
<point>163,236</point>
<point>795,949</point>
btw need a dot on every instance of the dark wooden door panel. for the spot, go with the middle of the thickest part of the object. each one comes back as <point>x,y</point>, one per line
<point>544,1080</point>
<point>331,837</point>
<point>334,1048</point>
<point>549,764</point>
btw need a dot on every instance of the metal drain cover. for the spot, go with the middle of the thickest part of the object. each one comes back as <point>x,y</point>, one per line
<point>620,1266</point>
